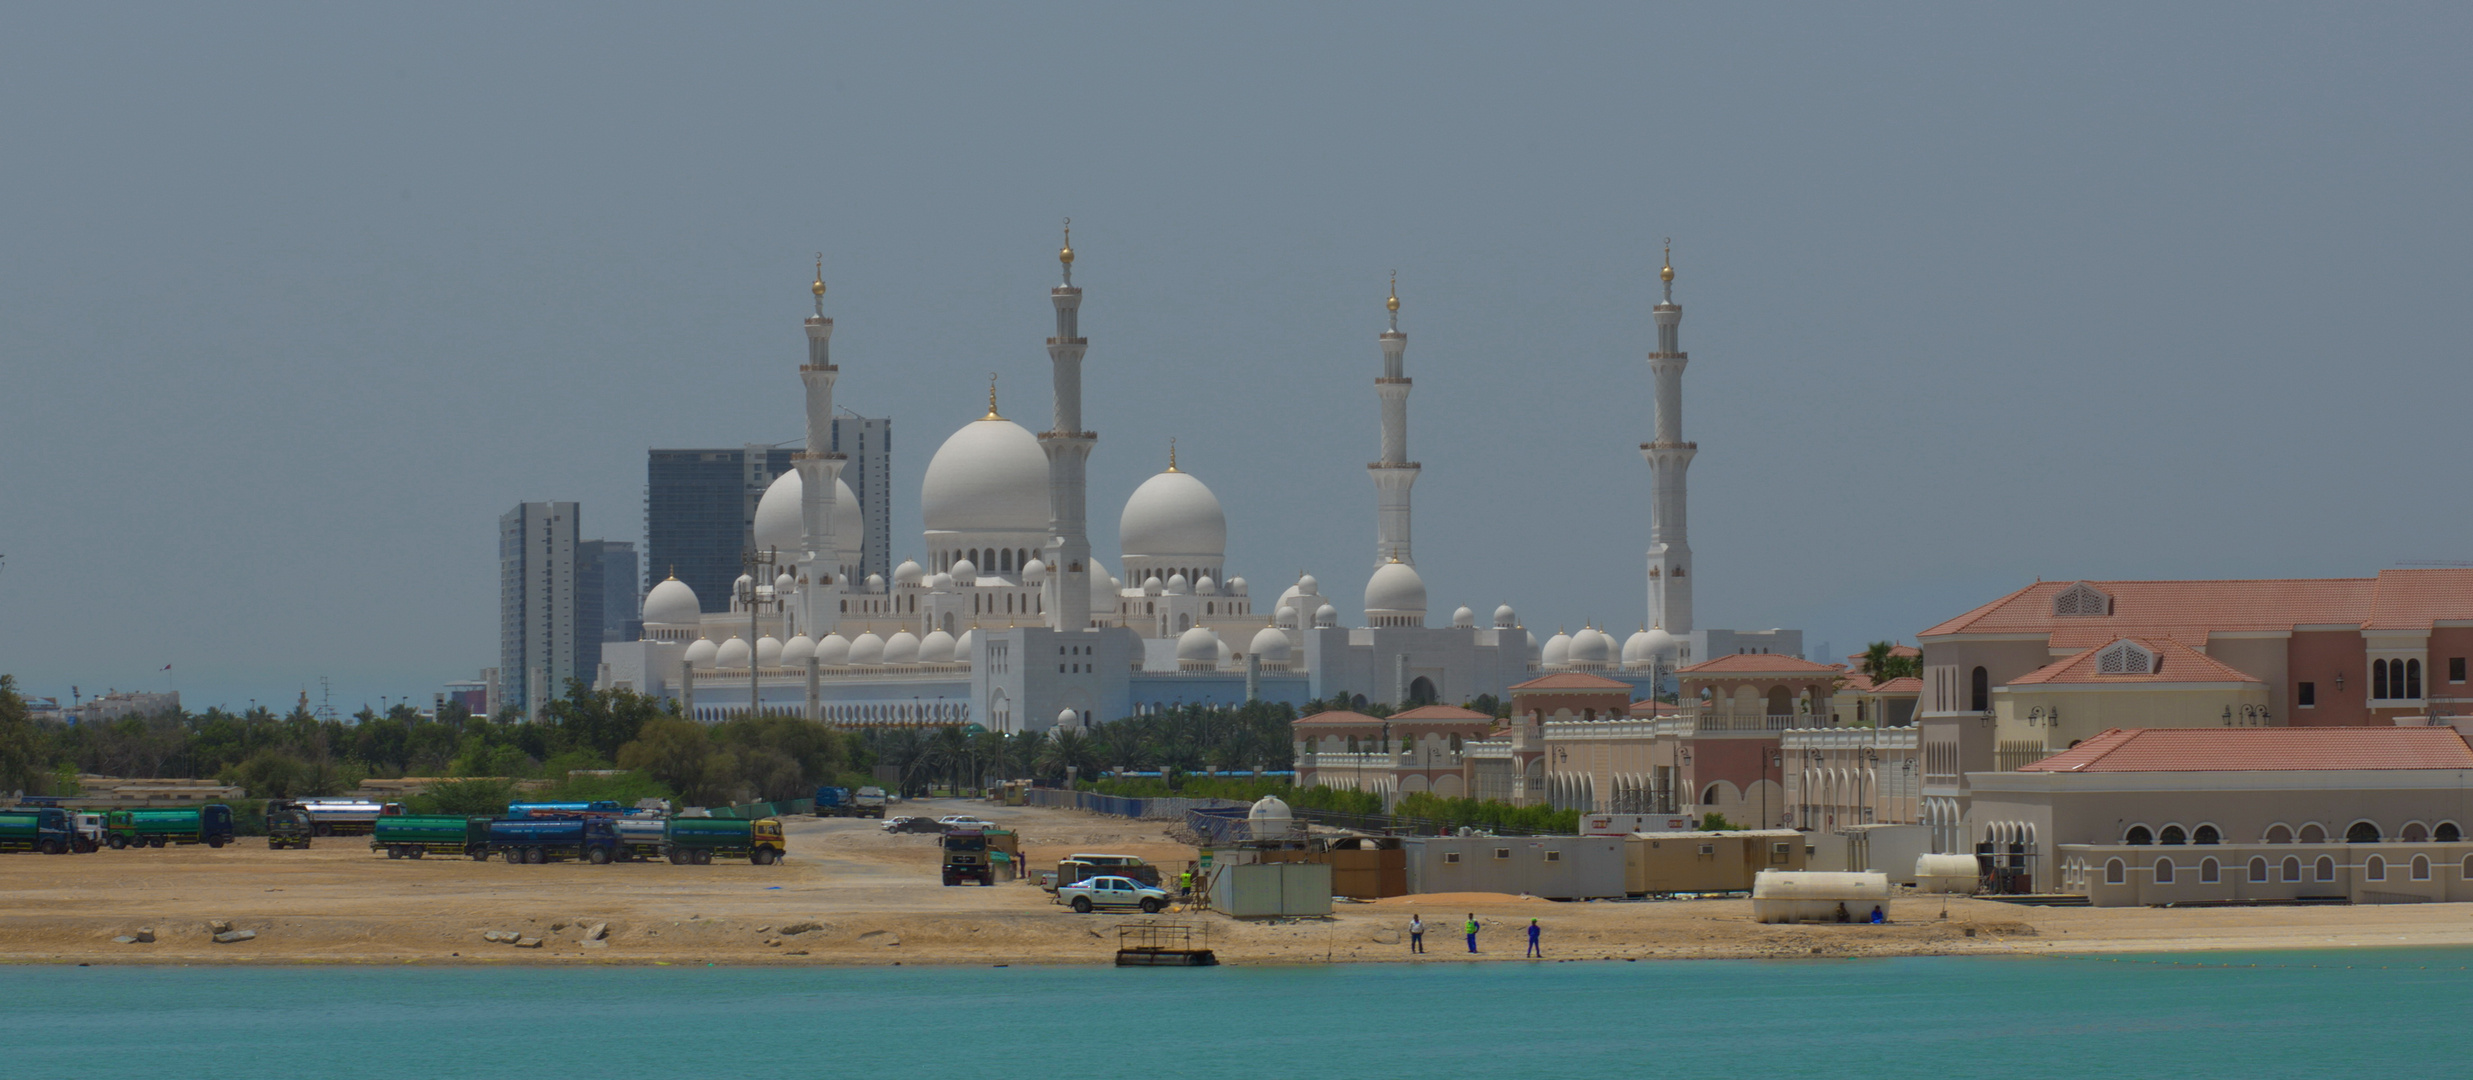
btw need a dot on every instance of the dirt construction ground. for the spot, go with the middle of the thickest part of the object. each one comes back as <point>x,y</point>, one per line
<point>851,894</point>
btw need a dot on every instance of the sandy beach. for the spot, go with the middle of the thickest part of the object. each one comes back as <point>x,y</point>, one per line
<point>851,894</point>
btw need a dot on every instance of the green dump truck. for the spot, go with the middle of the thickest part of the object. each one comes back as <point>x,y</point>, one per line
<point>210,825</point>
<point>698,840</point>
<point>411,836</point>
<point>47,829</point>
<point>287,825</point>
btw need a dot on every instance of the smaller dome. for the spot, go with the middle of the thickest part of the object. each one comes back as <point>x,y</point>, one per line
<point>768,651</point>
<point>936,648</point>
<point>1286,616</point>
<point>834,650</point>
<point>701,653</point>
<point>1307,585</point>
<point>1067,719</point>
<point>1206,586</point>
<point>672,603</point>
<point>902,648</point>
<point>1236,586</point>
<point>1326,617</point>
<point>734,653</point>
<point>1151,586</point>
<point>1464,618</point>
<point>1558,650</point>
<point>962,645</point>
<point>1590,646</point>
<point>1505,618</point>
<point>875,583</point>
<point>867,651</point>
<point>939,582</point>
<point>796,651</point>
<point>1651,645</point>
<point>1271,645</point>
<point>1395,592</point>
<point>1177,585</point>
<point>1532,645</point>
<point>966,572</point>
<point>1034,571</point>
<point>1103,590</point>
<point>1198,645</point>
<point>784,583</point>
<point>908,573</point>
<point>1227,654</point>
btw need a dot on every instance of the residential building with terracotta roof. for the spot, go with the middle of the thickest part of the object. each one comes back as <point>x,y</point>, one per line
<point>2031,673</point>
<point>2276,814</point>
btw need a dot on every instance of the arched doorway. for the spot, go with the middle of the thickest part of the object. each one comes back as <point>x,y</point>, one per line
<point>1421,691</point>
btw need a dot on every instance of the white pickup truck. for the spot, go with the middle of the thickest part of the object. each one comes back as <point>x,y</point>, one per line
<point>1112,892</point>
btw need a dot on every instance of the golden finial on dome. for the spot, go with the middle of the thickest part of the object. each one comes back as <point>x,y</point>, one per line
<point>1394,303</point>
<point>819,287</point>
<point>1171,453</point>
<point>1066,255</point>
<point>1667,273</point>
<point>991,398</point>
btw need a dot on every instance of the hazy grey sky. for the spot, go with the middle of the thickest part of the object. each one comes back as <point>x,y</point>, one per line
<point>297,300</point>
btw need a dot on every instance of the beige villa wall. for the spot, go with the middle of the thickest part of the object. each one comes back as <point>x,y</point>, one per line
<point>2088,711</point>
<point>2361,873</point>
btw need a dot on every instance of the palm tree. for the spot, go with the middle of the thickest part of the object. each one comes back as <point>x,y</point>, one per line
<point>949,751</point>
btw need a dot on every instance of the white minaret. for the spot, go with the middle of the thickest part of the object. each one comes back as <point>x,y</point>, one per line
<point>1394,474</point>
<point>820,472</point>
<point>1670,553</point>
<point>1069,451</point>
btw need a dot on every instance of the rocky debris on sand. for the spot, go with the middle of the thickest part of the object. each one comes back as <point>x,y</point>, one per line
<point>1387,936</point>
<point>765,929</point>
<point>496,936</point>
<point>594,943</point>
<point>772,943</point>
<point>145,935</point>
<point>797,928</point>
<point>558,925</point>
<point>596,931</point>
<point>232,936</point>
<point>219,926</point>
<point>528,943</point>
<point>885,938</point>
<point>124,939</point>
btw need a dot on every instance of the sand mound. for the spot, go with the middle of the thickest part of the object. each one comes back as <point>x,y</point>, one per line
<point>1450,899</point>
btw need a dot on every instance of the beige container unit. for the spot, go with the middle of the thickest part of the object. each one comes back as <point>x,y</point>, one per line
<point>1265,890</point>
<point>1706,862</point>
<point>1817,897</point>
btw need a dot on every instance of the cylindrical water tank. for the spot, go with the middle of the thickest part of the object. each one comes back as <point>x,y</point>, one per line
<point>1951,874</point>
<point>1268,818</point>
<point>1816,896</point>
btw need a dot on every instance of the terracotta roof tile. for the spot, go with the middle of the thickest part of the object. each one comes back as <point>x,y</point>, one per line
<point>1759,664</point>
<point>2262,750</point>
<point>1336,716</point>
<point>1904,684</point>
<point>1572,680</point>
<point>1440,712</point>
<point>2174,663</point>
<point>2187,610</point>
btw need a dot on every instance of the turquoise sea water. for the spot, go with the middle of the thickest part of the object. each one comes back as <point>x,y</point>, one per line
<point>1967,1017</point>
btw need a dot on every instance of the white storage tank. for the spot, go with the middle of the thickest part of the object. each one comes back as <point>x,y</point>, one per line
<point>1780,896</point>
<point>1954,875</point>
<point>1269,818</point>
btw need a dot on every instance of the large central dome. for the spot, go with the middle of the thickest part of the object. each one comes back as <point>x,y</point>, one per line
<point>990,476</point>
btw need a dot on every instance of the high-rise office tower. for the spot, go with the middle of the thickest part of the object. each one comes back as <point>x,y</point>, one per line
<point>700,505</point>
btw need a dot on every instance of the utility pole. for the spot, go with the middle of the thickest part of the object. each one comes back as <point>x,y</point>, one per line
<point>759,565</point>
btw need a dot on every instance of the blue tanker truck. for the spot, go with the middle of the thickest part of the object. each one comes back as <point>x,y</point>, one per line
<point>539,840</point>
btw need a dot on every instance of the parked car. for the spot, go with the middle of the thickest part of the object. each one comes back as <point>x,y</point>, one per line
<point>914,825</point>
<point>1113,892</point>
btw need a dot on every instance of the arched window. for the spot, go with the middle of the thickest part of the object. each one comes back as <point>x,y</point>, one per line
<point>2446,833</point>
<point>2173,835</point>
<point>2326,868</point>
<point>2258,870</point>
<point>2208,872</point>
<point>2414,833</point>
<point>2278,834</point>
<point>2375,869</point>
<point>2115,873</point>
<point>2312,833</point>
<point>2206,834</point>
<point>2412,679</point>
<point>2138,836</point>
<point>2292,868</point>
<point>2163,871</point>
<point>2421,867</point>
<point>2378,679</point>
<point>1980,697</point>
<point>2362,832</point>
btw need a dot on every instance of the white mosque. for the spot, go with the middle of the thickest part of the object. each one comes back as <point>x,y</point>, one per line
<point>1009,621</point>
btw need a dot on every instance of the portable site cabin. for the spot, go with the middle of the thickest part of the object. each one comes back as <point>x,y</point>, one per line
<point>1706,862</point>
<point>1889,849</point>
<point>1262,890</point>
<point>1362,867</point>
<point>1818,897</point>
<point>1554,867</point>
